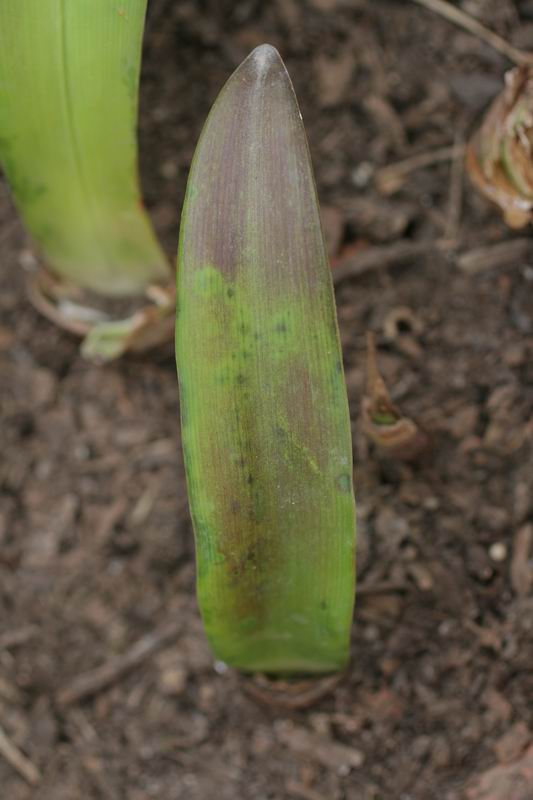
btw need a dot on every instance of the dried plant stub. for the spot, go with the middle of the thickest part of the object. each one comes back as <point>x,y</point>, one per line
<point>395,435</point>
<point>500,155</point>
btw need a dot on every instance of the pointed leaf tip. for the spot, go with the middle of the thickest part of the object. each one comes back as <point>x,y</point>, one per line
<point>261,71</point>
<point>263,58</point>
<point>252,154</point>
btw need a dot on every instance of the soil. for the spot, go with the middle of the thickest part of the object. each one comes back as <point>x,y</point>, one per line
<point>96,548</point>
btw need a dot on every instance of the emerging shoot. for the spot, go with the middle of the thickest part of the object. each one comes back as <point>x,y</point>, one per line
<point>265,422</point>
<point>500,155</point>
<point>395,435</point>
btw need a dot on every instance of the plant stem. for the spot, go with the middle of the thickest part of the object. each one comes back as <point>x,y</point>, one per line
<point>69,74</point>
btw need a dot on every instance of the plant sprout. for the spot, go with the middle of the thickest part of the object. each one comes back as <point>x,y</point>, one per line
<point>499,157</point>
<point>396,435</point>
<point>265,421</point>
<point>69,75</point>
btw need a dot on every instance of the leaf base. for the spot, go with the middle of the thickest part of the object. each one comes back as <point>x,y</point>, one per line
<point>108,329</point>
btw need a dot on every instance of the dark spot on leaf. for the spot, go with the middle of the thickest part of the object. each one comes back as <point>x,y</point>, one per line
<point>184,415</point>
<point>231,292</point>
<point>250,554</point>
<point>281,327</point>
<point>344,483</point>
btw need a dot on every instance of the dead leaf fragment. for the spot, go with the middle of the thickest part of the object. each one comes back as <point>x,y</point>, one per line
<point>498,707</point>
<point>506,782</point>
<point>399,321</point>
<point>512,743</point>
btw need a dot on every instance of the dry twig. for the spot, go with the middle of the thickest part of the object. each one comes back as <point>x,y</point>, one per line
<point>393,255</point>
<point>490,256</point>
<point>15,638</point>
<point>455,199</point>
<point>329,753</point>
<point>476,28</point>
<point>100,678</point>
<point>522,562</point>
<point>390,178</point>
<point>300,790</point>
<point>370,589</point>
<point>25,768</point>
<point>388,255</point>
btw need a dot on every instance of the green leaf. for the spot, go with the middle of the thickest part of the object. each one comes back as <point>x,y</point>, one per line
<point>69,73</point>
<point>265,422</point>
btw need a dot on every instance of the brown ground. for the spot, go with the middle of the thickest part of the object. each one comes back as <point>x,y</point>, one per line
<point>95,541</point>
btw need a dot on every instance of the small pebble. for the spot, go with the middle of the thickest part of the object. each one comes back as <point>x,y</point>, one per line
<point>169,170</point>
<point>173,681</point>
<point>498,551</point>
<point>362,174</point>
<point>431,503</point>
